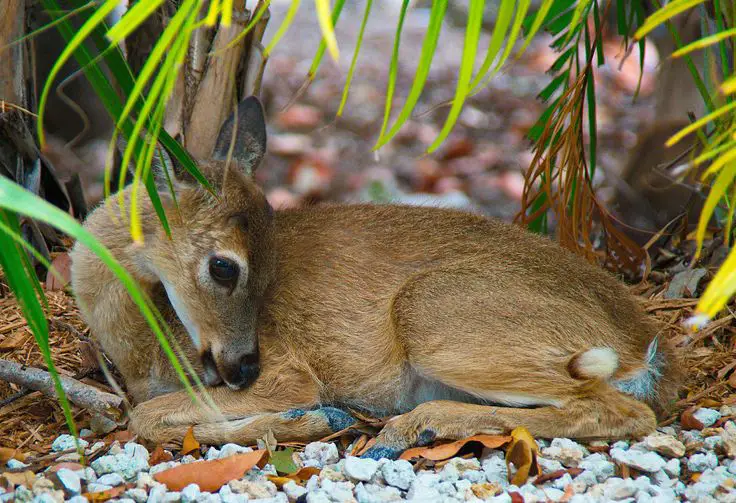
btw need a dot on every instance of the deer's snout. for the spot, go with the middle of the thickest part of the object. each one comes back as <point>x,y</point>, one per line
<point>236,369</point>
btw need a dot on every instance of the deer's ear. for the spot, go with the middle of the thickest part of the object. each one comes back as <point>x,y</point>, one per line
<point>243,136</point>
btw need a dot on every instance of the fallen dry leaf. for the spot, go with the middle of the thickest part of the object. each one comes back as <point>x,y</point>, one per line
<point>123,436</point>
<point>189,444</point>
<point>159,455</point>
<point>688,420</point>
<point>542,479</point>
<point>13,479</point>
<point>301,475</point>
<point>6,454</point>
<point>69,465</point>
<point>15,340</point>
<point>105,495</point>
<point>447,451</point>
<point>516,497</point>
<point>62,264</point>
<point>523,454</point>
<point>210,476</point>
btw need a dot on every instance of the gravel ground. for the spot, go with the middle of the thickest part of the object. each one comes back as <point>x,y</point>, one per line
<point>672,464</point>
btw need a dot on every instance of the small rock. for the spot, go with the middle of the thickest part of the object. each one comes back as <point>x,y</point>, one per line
<point>69,480</point>
<point>66,442</point>
<point>319,454</point>
<point>97,488</point>
<point>707,416</point>
<point>672,468</point>
<point>14,464</point>
<point>373,493</point>
<point>95,447</point>
<point>137,451</point>
<point>665,444</point>
<point>190,493</point>
<point>713,443</point>
<point>599,466</point>
<point>398,473</point>
<point>701,462</point>
<point>565,451</point>
<point>122,463</point>
<point>172,497</point>
<point>85,432</point>
<point>649,462</point>
<point>422,493</point>
<point>156,494</point>
<point>549,465</point>
<point>136,494</point>
<point>212,453</point>
<point>102,425</point>
<point>619,489</point>
<point>294,491</point>
<point>111,479</point>
<point>263,489</point>
<point>77,499</point>
<point>228,450</point>
<point>496,469</point>
<point>359,468</point>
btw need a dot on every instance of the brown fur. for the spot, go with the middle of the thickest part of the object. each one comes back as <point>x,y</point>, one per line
<point>430,313</point>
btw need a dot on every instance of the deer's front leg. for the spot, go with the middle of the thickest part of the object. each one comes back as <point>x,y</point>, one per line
<point>287,407</point>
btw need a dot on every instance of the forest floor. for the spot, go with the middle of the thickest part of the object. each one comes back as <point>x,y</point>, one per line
<point>315,157</point>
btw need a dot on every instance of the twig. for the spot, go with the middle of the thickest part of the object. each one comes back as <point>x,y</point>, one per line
<point>77,392</point>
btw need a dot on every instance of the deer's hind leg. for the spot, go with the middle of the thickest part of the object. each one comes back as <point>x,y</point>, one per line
<point>461,334</point>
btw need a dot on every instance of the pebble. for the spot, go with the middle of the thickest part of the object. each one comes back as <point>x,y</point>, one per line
<point>666,445</point>
<point>319,454</point>
<point>399,473</point>
<point>228,450</point>
<point>360,469</point>
<point>700,462</point>
<point>190,493</point>
<point>565,451</point>
<point>66,442</point>
<point>649,462</point>
<point>111,479</point>
<point>124,464</point>
<point>707,416</point>
<point>70,480</point>
<point>14,464</point>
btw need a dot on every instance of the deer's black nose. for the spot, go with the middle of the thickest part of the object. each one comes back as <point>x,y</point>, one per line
<point>239,371</point>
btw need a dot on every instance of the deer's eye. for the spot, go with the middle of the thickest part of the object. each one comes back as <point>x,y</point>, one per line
<point>224,271</point>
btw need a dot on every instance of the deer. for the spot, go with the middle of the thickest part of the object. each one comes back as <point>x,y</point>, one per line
<point>453,323</point>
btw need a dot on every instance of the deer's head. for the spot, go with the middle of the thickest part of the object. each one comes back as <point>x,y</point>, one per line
<point>217,265</point>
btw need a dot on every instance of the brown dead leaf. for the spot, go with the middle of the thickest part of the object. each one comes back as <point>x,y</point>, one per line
<point>159,455</point>
<point>486,490</point>
<point>100,496</point>
<point>732,380</point>
<point>6,454</point>
<point>189,444</point>
<point>68,465</point>
<point>62,264</point>
<point>523,454</point>
<point>123,436</point>
<point>211,475</point>
<point>15,340</point>
<point>300,476</point>
<point>13,479</point>
<point>688,420</point>
<point>516,497</point>
<point>446,451</point>
<point>542,479</point>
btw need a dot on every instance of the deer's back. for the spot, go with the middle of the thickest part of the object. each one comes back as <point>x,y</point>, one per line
<point>341,268</point>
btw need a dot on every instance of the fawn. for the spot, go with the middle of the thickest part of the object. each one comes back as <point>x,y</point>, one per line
<point>459,323</point>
